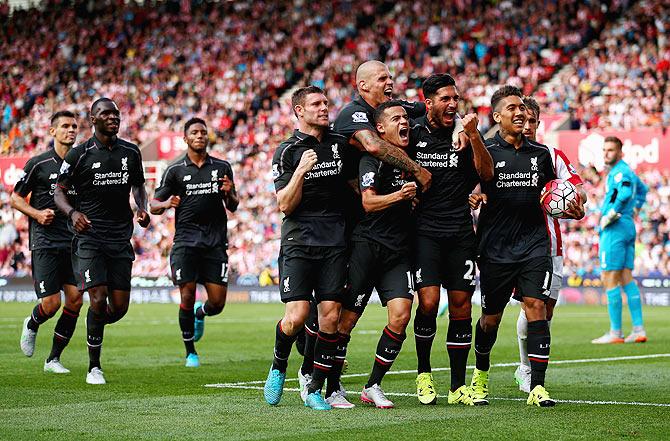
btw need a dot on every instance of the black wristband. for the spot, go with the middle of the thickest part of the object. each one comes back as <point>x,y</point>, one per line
<point>69,213</point>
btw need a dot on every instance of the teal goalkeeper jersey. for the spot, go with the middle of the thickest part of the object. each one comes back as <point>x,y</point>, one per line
<point>624,193</point>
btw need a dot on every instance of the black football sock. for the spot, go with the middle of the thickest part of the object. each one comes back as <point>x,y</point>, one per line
<point>539,342</point>
<point>63,331</point>
<point>187,325</point>
<point>459,340</point>
<point>310,332</point>
<point>283,344</point>
<point>324,354</point>
<point>388,348</point>
<point>95,329</point>
<point>37,317</point>
<point>425,328</point>
<point>340,355</point>
<point>483,344</point>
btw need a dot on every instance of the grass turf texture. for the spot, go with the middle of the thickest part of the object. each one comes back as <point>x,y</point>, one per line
<point>151,396</point>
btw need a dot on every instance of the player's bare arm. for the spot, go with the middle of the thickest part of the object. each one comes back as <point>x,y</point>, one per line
<point>290,196</point>
<point>392,155</point>
<point>158,207</point>
<point>373,202</point>
<point>140,196</point>
<point>79,220</point>
<point>480,156</point>
<point>43,217</point>
<point>229,194</point>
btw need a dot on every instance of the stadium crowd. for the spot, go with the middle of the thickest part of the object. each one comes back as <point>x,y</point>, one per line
<point>620,80</point>
<point>231,61</point>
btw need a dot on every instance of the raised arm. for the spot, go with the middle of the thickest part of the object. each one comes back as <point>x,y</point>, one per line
<point>481,157</point>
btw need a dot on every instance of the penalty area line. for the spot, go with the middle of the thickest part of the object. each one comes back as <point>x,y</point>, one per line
<point>404,394</point>
<point>444,369</point>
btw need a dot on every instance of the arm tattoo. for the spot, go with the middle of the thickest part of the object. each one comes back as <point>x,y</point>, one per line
<point>386,152</point>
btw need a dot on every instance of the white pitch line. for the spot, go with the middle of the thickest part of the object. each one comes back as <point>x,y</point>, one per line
<point>404,394</point>
<point>551,363</point>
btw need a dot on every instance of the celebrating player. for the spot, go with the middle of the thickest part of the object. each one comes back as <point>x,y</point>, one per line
<point>445,244</point>
<point>514,243</point>
<point>200,188</point>
<point>104,170</point>
<point>50,242</point>
<point>380,255</point>
<point>625,195</point>
<point>564,170</point>
<point>308,176</point>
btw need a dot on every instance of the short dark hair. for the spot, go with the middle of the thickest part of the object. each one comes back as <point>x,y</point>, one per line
<point>99,101</point>
<point>533,105</point>
<point>503,93</point>
<point>436,82</point>
<point>383,107</point>
<point>299,95</point>
<point>60,114</point>
<point>615,140</point>
<point>193,121</point>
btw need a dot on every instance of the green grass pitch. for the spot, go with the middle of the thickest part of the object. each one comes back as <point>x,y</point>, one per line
<point>151,396</point>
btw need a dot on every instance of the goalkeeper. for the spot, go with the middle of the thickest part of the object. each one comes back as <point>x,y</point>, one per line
<point>625,195</point>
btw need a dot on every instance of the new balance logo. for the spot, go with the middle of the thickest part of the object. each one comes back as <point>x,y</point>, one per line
<point>287,288</point>
<point>187,178</point>
<point>421,144</point>
<point>359,117</point>
<point>53,175</point>
<point>87,276</point>
<point>96,165</point>
<point>42,288</point>
<point>500,164</point>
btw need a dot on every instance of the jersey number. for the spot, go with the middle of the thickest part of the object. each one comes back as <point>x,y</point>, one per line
<point>470,272</point>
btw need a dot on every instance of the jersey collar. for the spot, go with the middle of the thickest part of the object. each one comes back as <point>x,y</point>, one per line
<point>101,146</point>
<point>525,144</point>
<point>188,162</point>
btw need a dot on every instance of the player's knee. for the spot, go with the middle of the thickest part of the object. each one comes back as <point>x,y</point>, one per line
<point>74,303</point>
<point>398,322</point>
<point>328,319</point>
<point>51,305</point>
<point>292,323</point>
<point>347,322</point>
<point>215,307</point>
<point>490,323</point>
<point>429,306</point>
<point>459,311</point>
<point>536,309</point>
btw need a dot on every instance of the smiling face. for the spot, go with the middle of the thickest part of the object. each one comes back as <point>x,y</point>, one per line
<point>441,108</point>
<point>106,118</point>
<point>394,126</point>
<point>196,137</point>
<point>314,111</point>
<point>511,114</point>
